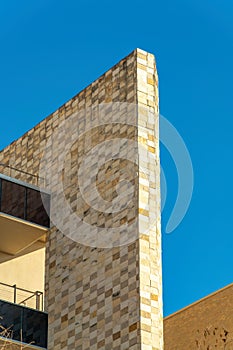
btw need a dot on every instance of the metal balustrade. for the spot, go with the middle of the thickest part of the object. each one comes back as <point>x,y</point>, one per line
<point>22,296</point>
<point>14,172</point>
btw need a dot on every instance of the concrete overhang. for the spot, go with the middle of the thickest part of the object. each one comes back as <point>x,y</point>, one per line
<point>19,237</point>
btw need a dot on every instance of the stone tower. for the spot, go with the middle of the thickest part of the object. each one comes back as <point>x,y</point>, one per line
<point>98,155</point>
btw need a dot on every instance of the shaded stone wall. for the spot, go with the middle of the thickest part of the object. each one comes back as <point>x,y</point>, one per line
<point>204,325</point>
<point>104,297</point>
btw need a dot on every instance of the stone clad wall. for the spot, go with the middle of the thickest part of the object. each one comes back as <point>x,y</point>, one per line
<point>150,278</point>
<point>204,325</point>
<point>104,297</point>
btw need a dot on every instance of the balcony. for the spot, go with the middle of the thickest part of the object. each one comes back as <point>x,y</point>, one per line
<point>24,223</point>
<point>21,296</point>
<point>24,218</point>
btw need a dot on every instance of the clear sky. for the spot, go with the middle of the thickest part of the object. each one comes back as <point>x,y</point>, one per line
<point>50,50</point>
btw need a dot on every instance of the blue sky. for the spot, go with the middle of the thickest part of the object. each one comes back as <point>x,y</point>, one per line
<point>50,50</point>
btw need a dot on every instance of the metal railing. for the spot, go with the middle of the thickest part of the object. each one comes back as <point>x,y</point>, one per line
<point>12,172</point>
<point>21,296</point>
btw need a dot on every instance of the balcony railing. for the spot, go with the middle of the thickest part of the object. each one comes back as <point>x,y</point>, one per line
<point>24,201</point>
<point>14,172</point>
<point>25,325</point>
<point>21,296</point>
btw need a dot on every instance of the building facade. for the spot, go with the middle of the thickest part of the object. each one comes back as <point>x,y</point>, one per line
<point>96,161</point>
<point>80,247</point>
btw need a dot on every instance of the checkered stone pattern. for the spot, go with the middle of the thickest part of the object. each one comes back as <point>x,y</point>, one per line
<point>102,297</point>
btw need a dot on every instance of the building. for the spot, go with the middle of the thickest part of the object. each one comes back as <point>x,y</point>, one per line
<point>91,277</point>
<point>204,325</point>
<point>100,257</point>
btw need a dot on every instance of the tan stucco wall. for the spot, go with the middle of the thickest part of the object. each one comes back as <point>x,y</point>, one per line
<point>27,272</point>
<point>204,325</point>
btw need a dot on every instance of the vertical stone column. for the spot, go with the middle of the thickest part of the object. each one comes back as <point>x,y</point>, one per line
<point>150,275</point>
